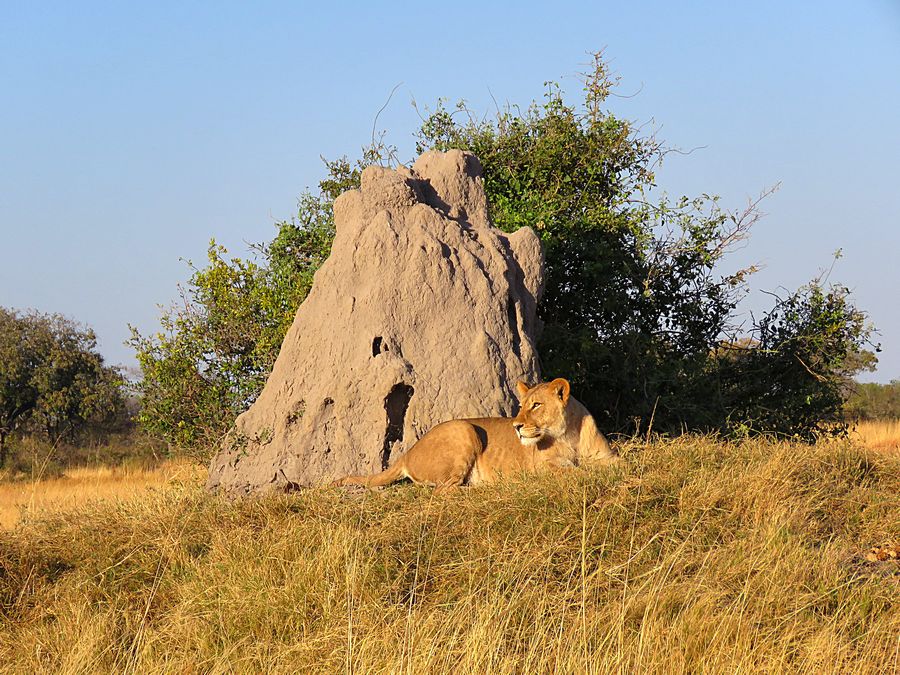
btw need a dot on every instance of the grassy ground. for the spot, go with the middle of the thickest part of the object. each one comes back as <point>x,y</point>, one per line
<point>27,499</point>
<point>693,556</point>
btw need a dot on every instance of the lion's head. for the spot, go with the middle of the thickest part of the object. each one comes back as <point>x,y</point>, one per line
<point>542,412</point>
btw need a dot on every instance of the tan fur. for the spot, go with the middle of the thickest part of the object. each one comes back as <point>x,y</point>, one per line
<point>551,431</point>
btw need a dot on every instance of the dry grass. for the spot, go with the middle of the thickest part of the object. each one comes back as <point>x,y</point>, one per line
<point>693,556</point>
<point>26,500</point>
<point>882,435</point>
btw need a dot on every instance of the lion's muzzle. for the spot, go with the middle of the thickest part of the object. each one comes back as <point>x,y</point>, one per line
<point>528,435</point>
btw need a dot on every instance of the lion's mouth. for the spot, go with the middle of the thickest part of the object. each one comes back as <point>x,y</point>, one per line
<point>530,439</point>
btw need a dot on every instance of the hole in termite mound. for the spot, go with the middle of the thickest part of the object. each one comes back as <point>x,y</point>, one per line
<point>395,405</point>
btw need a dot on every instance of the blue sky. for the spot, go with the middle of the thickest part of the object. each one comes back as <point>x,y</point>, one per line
<point>131,134</point>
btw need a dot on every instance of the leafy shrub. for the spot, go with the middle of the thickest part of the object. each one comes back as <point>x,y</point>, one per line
<point>794,378</point>
<point>217,346</point>
<point>633,304</point>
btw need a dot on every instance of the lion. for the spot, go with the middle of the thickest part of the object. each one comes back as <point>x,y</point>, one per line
<point>552,431</point>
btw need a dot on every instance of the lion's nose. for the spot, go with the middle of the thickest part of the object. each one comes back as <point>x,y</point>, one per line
<point>518,426</point>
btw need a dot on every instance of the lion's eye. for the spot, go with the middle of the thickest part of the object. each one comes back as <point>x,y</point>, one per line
<point>535,405</point>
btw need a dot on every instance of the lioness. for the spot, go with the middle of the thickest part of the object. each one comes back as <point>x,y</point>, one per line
<point>552,430</point>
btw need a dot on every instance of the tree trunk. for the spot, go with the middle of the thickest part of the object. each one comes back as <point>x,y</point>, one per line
<point>2,448</point>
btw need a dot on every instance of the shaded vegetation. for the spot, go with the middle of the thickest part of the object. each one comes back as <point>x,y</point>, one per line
<point>794,377</point>
<point>872,401</point>
<point>32,458</point>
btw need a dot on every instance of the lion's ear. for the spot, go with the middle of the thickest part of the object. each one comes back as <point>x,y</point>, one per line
<point>522,388</point>
<point>561,387</point>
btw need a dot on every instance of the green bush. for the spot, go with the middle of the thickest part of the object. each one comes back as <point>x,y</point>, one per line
<point>633,304</point>
<point>795,376</point>
<point>217,345</point>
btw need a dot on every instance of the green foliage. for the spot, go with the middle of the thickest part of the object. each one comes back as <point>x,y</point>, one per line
<point>635,309</point>
<point>872,401</point>
<point>52,380</point>
<point>794,377</point>
<point>217,346</point>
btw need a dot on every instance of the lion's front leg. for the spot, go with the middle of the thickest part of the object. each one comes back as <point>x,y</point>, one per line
<point>559,465</point>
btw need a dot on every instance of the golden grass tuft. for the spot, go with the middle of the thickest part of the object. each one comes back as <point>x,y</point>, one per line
<point>692,556</point>
<point>883,435</point>
<point>27,499</point>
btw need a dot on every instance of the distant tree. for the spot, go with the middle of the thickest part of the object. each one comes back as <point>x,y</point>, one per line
<point>52,379</point>
<point>873,401</point>
<point>18,396</point>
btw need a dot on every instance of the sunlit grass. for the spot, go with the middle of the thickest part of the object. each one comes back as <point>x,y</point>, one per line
<point>29,499</point>
<point>881,435</point>
<point>692,556</point>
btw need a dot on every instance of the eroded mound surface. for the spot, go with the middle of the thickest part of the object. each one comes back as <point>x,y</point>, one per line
<point>423,312</point>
